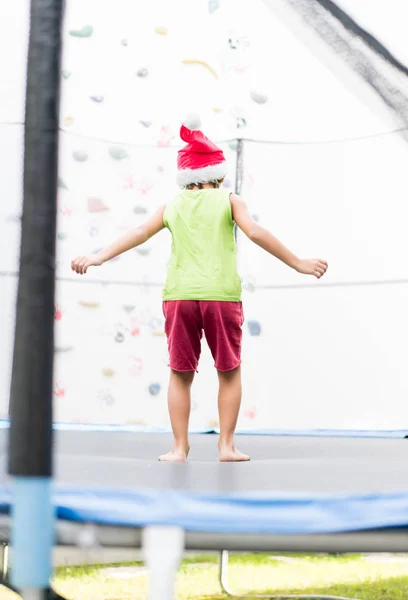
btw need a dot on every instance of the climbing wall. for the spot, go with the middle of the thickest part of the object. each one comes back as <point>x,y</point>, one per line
<point>324,354</point>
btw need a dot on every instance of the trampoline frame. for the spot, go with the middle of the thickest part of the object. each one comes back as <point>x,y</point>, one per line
<point>132,537</point>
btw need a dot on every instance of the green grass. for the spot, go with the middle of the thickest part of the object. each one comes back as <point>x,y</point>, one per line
<point>350,575</point>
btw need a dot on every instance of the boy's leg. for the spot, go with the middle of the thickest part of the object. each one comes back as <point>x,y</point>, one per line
<point>183,328</point>
<point>179,402</point>
<point>222,322</point>
<point>229,402</point>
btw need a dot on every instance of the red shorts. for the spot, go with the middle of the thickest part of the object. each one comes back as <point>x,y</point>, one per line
<point>221,322</point>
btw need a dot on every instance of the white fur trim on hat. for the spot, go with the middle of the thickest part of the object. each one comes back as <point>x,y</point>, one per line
<point>192,122</point>
<point>212,173</point>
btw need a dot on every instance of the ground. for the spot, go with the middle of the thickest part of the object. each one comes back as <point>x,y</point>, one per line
<point>379,577</point>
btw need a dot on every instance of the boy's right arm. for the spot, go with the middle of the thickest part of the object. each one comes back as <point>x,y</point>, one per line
<point>266,240</point>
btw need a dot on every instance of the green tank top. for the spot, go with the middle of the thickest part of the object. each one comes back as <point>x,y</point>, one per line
<point>203,264</point>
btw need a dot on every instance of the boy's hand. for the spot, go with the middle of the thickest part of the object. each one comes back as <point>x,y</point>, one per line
<point>312,266</point>
<point>81,263</point>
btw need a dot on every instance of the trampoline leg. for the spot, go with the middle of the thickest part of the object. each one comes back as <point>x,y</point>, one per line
<point>4,562</point>
<point>163,548</point>
<point>223,578</point>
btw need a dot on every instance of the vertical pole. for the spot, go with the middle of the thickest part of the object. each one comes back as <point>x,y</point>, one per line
<point>239,169</point>
<point>30,441</point>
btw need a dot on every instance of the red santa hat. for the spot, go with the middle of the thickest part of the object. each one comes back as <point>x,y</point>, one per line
<point>201,160</point>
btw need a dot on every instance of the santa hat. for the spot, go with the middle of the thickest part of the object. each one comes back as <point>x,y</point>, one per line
<point>201,160</point>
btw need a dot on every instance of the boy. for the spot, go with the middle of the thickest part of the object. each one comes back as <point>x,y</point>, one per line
<point>202,292</point>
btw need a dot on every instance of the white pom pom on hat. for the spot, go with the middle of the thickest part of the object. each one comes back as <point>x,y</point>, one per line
<point>192,122</point>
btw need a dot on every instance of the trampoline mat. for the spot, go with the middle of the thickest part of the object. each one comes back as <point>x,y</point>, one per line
<point>279,464</point>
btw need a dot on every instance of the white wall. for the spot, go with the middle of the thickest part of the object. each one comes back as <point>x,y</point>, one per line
<point>328,355</point>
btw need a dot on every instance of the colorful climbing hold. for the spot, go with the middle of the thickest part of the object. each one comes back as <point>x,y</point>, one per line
<point>258,97</point>
<point>142,73</point>
<point>58,312</point>
<point>154,389</point>
<point>233,145</point>
<point>80,155</point>
<point>193,61</point>
<point>66,74</point>
<point>97,205</point>
<point>254,328</point>
<point>97,99</point>
<point>124,42</point>
<point>69,119</point>
<point>59,390</point>
<point>108,372</point>
<point>161,30</point>
<point>213,5</point>
<point>146,124</point>
<point>118,153</point>
<point>85,32</point>
<point>89,303</point>
<point>62,235</point>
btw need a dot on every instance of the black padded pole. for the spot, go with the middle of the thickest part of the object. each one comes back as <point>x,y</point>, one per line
<point>30,443</point>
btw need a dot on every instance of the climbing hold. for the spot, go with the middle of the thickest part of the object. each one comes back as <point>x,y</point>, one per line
<point>98,99</point>
<point>227,183</point>
<point>258,97</point>
<point>142,251</point>
<point>218,110</point>
<point>58,312</point>
<point>61,184</point>
<point>145,123</point>
<point>124,42</point>
<point>250,414</point>
<point>97,205</point>
<point>66,74</point>
<point>59,390</point>
<point>161,30</point>
<point>193,61</point>
<point>233,145</point>
<point>118,153</point>
<point>128,308</point>
<point>254,328</point>
<point>142,73</point>
<point>154,389</point>
<point>63,348</point>
<point>62,236</point>
<point>140,210</point>
<point>255,218</point>
<point>213,5</point>
<point>106,397</point>
<point>108,372</point>
<point>120,333</point>
<point>80,155</point>
<point>89,303</point>
<point>85,32</point>
<point>69,119</point>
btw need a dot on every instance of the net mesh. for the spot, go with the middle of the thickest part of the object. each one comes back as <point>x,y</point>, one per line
<point>362,51</point>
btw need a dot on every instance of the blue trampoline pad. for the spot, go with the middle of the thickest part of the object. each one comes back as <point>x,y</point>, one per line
<point>304,485</point>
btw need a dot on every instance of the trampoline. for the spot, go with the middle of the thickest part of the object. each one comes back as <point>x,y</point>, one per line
<point>298,493</point>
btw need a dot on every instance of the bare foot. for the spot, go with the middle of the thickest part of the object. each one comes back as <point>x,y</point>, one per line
<point>231,454</point>
<point>175,455</point>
